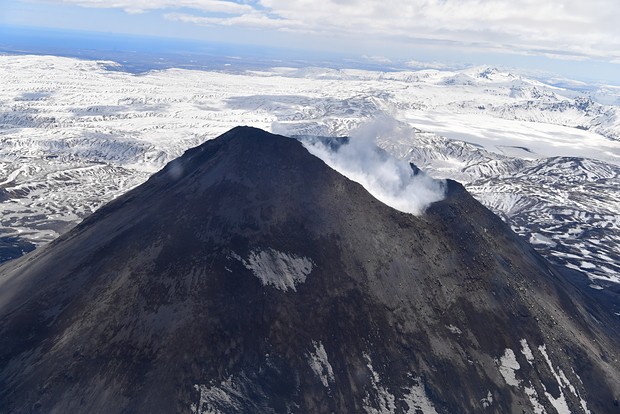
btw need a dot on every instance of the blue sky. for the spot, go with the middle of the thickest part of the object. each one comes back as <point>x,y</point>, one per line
<point>572,38</point>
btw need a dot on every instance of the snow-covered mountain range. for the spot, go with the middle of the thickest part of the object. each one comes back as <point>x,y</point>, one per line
<point>75,134</point>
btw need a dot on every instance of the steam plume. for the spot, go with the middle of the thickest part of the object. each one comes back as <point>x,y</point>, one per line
<point>387,178</point>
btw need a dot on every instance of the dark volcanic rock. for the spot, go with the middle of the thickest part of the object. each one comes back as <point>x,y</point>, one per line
<point>249,277</point>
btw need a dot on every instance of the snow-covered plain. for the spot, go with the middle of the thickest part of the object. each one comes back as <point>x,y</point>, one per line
<point>74,135</point>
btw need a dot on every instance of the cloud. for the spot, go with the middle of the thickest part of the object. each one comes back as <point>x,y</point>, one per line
<point>435,65</point>
<point>255,20</point>
<point>141,6</point>
<point>378,59</point>
<point>132,10</point>
<point>575,27</point>
<point>569,29</point>
<point>387,178</point>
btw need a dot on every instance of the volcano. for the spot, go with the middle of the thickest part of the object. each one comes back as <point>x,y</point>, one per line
<point>249,277</point>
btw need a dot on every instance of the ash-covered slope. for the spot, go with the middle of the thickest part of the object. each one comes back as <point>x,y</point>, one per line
<point>249,277</point>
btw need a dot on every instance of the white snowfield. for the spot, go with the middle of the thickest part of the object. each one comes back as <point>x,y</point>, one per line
<point>281,270</point>
<point>233,393</point>
<point>74,135</point>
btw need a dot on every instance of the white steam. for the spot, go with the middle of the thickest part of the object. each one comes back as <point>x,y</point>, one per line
<point>387,178</point>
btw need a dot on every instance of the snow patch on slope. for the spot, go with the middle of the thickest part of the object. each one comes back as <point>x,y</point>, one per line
<point>507,366</point>
<point>527,351</point>
<point>320,364</point>
<point>530,391</point>
<point>417,400</point>
<point>385,402</point>
<point>560,403</point>
<point>217,399</point>
<point>534,400</point>
<point>281,270</point>
<point>235,394</point>
<point>487,401</point>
